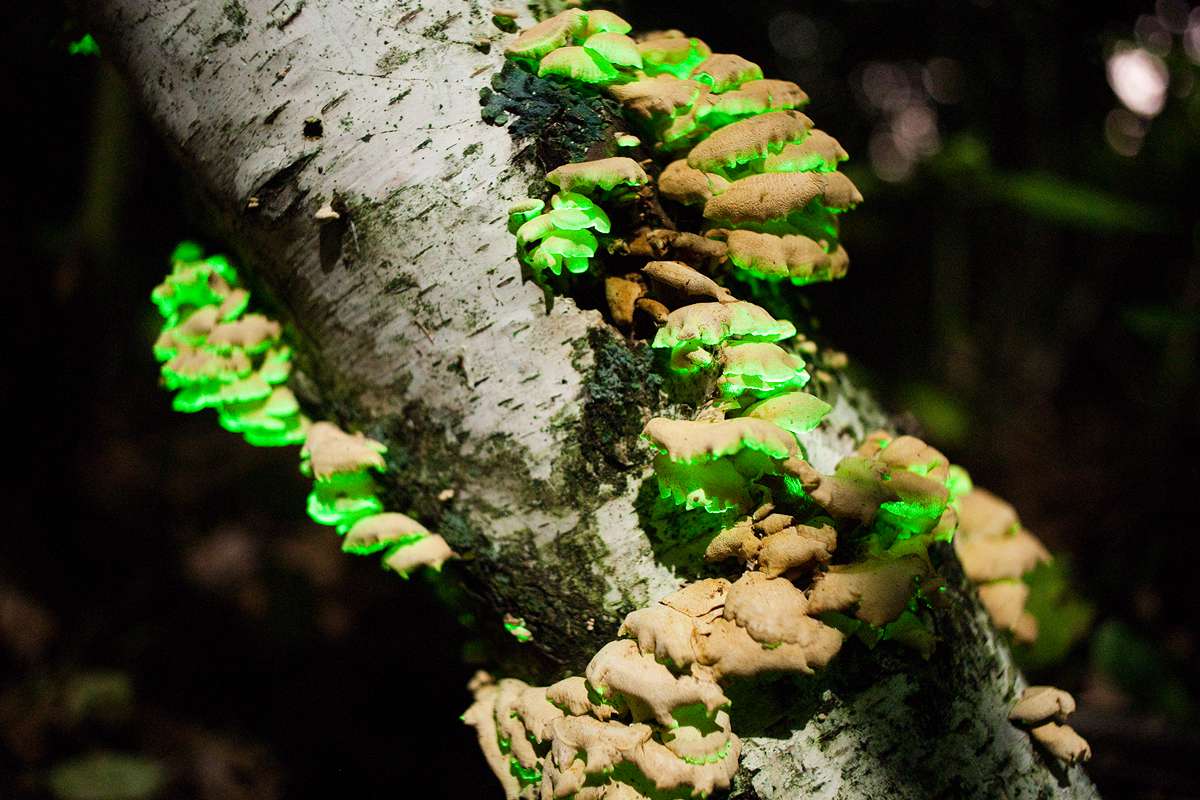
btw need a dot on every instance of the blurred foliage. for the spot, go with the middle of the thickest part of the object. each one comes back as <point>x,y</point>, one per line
<point>1064,618</point>
<point>1138,666</point>
<point>108,776</point>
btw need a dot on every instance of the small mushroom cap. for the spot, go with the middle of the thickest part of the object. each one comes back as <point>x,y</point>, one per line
<point>252,333</point>
<point>649,688</point>
<point>330,451</point>
<point>429,551</point>
<point>776,195</point>
<point>1062,742</point>
<point>1005,602</point>
<point>984,515</point>
<point>993,558</point>
<point>577,63</point>
<point>818,152</point>
<point>699,599</point>
<point>671,771</point>
<point>748,139</point>
<point>713,323</point>
<point>601,21</point>
<point>604,173</point>
<point>1041,704</point>
<point>379,531</point>
<point>661,54</point>
<point>663,632</point>
<point>732,652</point>
<point>326,213</point>
<point>878,589</point>
<point>798,412</point>
<point>771,610</point>
<point>573,696</point>
<point>758,368</point>
<point>689,441</point>
<point>622,294</point>
<point>778,257</point>
<point>791,549</point>
<point>680,276</point>
<point>615,48</point>
<point>657,97</point>
<point>190,367</point>
<point>725,71</point>
<point>548,34</point>
<point>736,542</point>
<point>753,97</point>
<point>687,185</point>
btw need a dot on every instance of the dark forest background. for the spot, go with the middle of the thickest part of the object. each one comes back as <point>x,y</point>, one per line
<point>1025,290</point>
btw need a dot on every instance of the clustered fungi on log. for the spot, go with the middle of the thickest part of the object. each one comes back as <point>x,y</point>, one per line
<point>1043,711</point>
<point>648,718</point>
<point>220,357</point>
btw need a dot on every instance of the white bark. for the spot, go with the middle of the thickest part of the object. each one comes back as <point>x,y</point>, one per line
<point>413,326</point>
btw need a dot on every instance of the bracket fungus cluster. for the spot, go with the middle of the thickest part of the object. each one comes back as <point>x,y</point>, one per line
<point>806,560</point>
<point>220,357</point>
<point>1043,711</point>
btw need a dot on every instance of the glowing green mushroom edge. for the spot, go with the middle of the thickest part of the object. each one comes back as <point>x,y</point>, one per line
<point>713,323</point>
<point>760,369</point>
<point>692,441</point>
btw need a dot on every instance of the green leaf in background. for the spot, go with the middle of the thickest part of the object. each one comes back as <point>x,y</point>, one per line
<point>1056,199</point>
<point>107,776</point>
<point>1063,617</point>
<point>86,45</point>
<point>1138,666</point>
<point>942,414</point>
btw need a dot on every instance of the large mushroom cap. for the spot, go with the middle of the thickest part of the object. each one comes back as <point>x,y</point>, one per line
<point>548,34</point>
<point>748,139</point>
<point>776,195</point>
<point>605,173</point>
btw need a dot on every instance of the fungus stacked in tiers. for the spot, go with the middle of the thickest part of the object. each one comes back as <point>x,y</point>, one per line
<point>220,357</point>
<point>821,557</point>
<point>996,551</point>
<point>1043,711</point>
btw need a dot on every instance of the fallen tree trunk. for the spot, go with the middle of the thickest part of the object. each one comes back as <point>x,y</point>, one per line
<point>413,326</point>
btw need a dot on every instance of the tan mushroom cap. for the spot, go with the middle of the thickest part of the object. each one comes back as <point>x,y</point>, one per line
<point>622,294</point>
<point>650,689</point>
<point>603,173</point>
<point>670,771</point>
<point>379,529</point>
<point>683,246</point>
<point>818,150</point>
<point>1041,704</point>
<point>481,716</point>
<point>983,514</point>
<point>680,276</point>
<point>616,48</point>
<point>600,20</point>
<point>747,139</point>
<point>776,256</point>
<point>739,541</point>
<point>1062,742</point>
<point>729,651</point>
<point>571,694</point>
<point>202,365</point>
<point>331,451</point>
<point>1005,602</point>
<point>725,71</point>
<point>583,746</point>
<point>752,97</point>
<point>699,599</point>
<point>691,440</point>
<point>687,185</point>
<point>995,558</point>
<point>663,632</point>
<point>877,589</point>
<point>548,35</point>
<point>431,551</point>
<point>659,96</point>
<point>771,610</point>
<point>670,49</point>
<point>775,195</point>
<point>795,548</point>
<point>249,331</point>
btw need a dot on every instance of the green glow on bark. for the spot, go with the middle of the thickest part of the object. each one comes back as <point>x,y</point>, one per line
<point>516,626</point>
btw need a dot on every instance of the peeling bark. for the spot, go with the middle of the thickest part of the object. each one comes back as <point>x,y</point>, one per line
<point>412,325</point>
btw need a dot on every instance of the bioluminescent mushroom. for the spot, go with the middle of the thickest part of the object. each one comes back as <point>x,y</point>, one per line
<point>795,547</point>
<point>604,174</point>
<point>789,257</point>
<point>749,139</point>
<point>428,551</point>
<point>683,278</point>
<point>1042,710</point>
<point>688,185</point>
<point>601,21</point>
<point>381,531</point>
<point>659,99</point>
<point>775,196</point>
<point>817,152</point>
<point>616,49</point>
<point>675,55</point>
<point>548,35</point>
<point>759,369</point>
<point>578,64</point>
<point>798,412</point>
<point>725,71</point>
<point>752,97</point>
<point>330,451</point>
<point>875,591</point>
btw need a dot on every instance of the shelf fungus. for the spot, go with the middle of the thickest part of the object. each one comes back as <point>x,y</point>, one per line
<point>775,199</point>
<point>683,278</point>
<point>689,186</point>
<point>749,139</point>
<point>759,369</point>
<point>218,357</point>
<point>603,174</point>
<point>789,257</point>
<point>1042,710</point>
<point>561,238</point>
<point>725,71</point>
<point>995,552</point>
